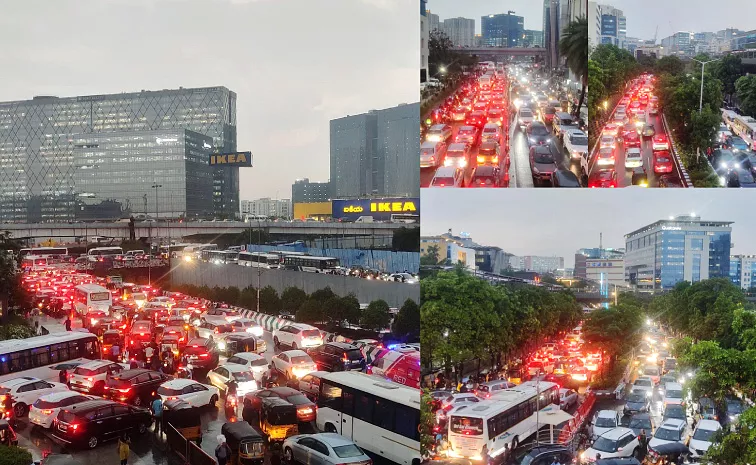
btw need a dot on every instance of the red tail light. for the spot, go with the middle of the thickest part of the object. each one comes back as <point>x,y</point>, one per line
<point>124,390</point>
<point>204,355</point>
<point>47,412</point>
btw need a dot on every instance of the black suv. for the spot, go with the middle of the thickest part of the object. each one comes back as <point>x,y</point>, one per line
<point>136,387</point>
<point>90,423</point>
<point>337,356</point>
<point>546,455</point>
<point>201,353</point>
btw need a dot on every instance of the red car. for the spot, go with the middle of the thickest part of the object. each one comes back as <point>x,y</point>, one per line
<point>631,139</point>
<point>662,162</point>
<point>603,178</point>
<point>476,118</point>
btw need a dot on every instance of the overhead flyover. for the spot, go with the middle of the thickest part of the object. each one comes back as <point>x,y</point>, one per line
<point>502,52</point>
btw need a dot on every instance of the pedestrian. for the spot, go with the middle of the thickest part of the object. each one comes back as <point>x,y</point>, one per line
<point>643,444</point>
<point>133,364</point>
<point>116,351</point>
<point>68,323</point>
<point>157,414</point>
<point>123,448</point>
<point>148,353</point>
<point>223,451</point>
<point>36,327</point>
<point>249,412</point>
<point>8,407</point>
<point>190,370</point>
<point>63,376</point>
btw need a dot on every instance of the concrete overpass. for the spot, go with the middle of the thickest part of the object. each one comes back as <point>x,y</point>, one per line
<point>501,52</point>
<point>174,230</point>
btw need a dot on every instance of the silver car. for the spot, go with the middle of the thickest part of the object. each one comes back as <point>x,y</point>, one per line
<point>323,449</point>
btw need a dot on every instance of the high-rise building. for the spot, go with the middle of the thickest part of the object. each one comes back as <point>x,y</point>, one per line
<point>43,142</point>
<point>304,191</point>
<point>272,208</point>
<point>551,32</point>
<point>743,271</point>
<point>461,31</point>
<point>596,253</point>
<point>656,51</point>
<point>606,272</point>
<point>680,44</point>
<point>434,24</point>
<point>502,30</point>
<point>538,264</point>
<point>613,29</point>
<point>375,154</point>
<point>631,44</point>
<point>424,37</point>
<point>683,248</point>
<point>594,25</point>
<point>532,38</point>
<point>743,40</point>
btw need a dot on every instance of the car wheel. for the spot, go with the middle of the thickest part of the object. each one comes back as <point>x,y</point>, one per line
<point>212,402</point>
<point>288,455</point>
<point>329,428</point>
<point>20,410</point>
<point>92,442</point>
<point>142,428</point>
<point>515,443</point>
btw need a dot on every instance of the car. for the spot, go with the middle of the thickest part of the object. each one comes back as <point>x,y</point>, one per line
<point>640,117</point>
<point>740,177</point>
<point>653,109</point>
<point>564,178</point>
<point>702,437</point>
<point>643,383</point>
<point>537,133</point>
<point>488,153</point>
<point>605,157</point>
<point>631,139</point>
<point>610,130</point>
<point>653,372</point>
<point>542,162</point>
<point>671,430</point>
<point>620,117</point>
<point>294,363</point>
<point>660,142</point>
<point>439,133</point>
<point>576,143</point>
<point>323,449</point>
<point>467,135</point>
<point>486,176</point>
<point>448,176</point>
<point>137,386</point>
<point>637,402</point>
<point>192,392</point>
<point>603,421</point>
<point>737,144</point>
<point>91,376</point>
<point>90,423</point>
<point>546,454</point>
<point>633,158</point>
<point>337,356</point>
<point>724,160</point>
<point>567,398</point>
<point>667,181</point>
<point>487,389</point>
<point>614,443</point>
<point>608,142</point>
<point>458,154</point>
<point>641,422</point>
<point>306,408</point>
<point>674,411</point>
<point>244,377</point>
<point>212,329</point>
<point>605,177</point>
<point>547,114</point>
<point>647,131</point>
<point>458,398</point>
<point>220,315</point>
<point>254,362</point>
<point>297,335</point>
<point>247,325</point>
<point>524,117</point>
<point>662,162</point>
<point>639,177</point>
<point>45,409</point>
<point>495,116</point>
<point>673,394</point>
<point>734,408</point>
<point>202,353</point>
<point>459,113</point>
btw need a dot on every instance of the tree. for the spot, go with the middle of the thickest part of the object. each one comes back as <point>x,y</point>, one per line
<point>746,91</point>
<point>292,299</point>
<point>376,316</point>
<point>352,310</point>
<point>728,69</point>
<point>406,240</point>
<point>647,63</point>
<point>431,256</point>
<point>270,303</point>
<point>670,65</point>
<point>574,46</point>
<point>738,447</point>
<point>407,321</point>
<point>14,455</point>
<point>310,312</point>
<point>323,295</point>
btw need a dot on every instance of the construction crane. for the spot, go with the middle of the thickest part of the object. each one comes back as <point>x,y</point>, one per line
<point>656,33</point>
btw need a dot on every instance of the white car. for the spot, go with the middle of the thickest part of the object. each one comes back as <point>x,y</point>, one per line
<point>323,449</point>
<point>403,278</point>
<point>608,142</point>
<point>247,325</point>
<point>673,394</point>
<point>297,335</point>
<point>26,390</point>
<point>633,158</point>
<point>615,443</point>
<point>255,363</point>
<point>643,383</point>
<point>45,409</point>
<point>576,143</point>
<point>190,391</point>
<point>672,430</point>
<point>604,421</point>
<point>491,132</point>
<point>640,118</point>
<point>294,363</point>
<point>91,376</point>
<point>459,398</point>
<point>219,315</point>
<point>220,376</point>
<point>567,398</point>
<point>701,439</point>
<point>448,176</point>
<point>524,117</point>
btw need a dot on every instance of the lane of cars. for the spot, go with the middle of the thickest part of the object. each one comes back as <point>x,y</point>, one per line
<point>732,158</point>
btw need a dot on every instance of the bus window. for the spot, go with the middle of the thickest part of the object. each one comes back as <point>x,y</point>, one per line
<point>41,356</point>
<point>348,407</point>
<point>91,350</point>
<point>384,414</point>
<point>406,419</point>
<point>363,407</point>
<point>331,396</point>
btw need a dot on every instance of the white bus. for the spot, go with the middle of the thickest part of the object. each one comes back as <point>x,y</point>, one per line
<point>405,218</point>
<point>39,356</point>
<point>43,251</point>
<point>745,127</point>
<point>310,263</point>
<point>195,251</point>
<point>259,260</point>
<point>220,257</point>
<point>104,251</point>
<point>35,262</point>
<point>379,416</point>
<point>502,422</point>
<point>92,297</point>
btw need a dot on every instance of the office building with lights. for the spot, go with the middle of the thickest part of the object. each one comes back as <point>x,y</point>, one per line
<point>743,271</point>
<point>682,248</point>
<point>503,30</point>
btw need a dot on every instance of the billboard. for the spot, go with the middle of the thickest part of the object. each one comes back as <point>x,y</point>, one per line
<point>379,209</point>
<point>231,159</point>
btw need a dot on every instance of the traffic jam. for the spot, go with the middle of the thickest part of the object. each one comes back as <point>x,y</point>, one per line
<point>114,357</point>
<point>504,124</point>
<point>634,147</point>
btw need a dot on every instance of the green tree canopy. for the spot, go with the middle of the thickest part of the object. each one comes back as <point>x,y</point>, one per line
<point>407,321</point>
<point>573,45</point>
<point>728,69</point>
<point>292,299</point>
<point>669,65</point>
<point>376,316</point>
<point>746,91</point>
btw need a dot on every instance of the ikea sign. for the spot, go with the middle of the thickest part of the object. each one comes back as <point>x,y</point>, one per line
<point>379,209</point>
<point>231,159</point>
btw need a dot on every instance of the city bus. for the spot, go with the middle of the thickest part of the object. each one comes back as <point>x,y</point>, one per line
<point>405,218</point>
<point>35,262</point>
<point>502,422</point>
<point>194,251</point>
<point>38,356</point>
<point>745,127</point>
<point>43,251</point>
<point>310,264</point>
<point>92,297</point>
<point>174,250</point>
<point>104,252</point>
<point>728,116</point>
<point>379,416</point>
<point>259,260</point>
<point>220,257</point>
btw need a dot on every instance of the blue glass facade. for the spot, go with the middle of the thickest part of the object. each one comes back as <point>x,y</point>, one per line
<point>502,30</point>
<point>743,271</point>
<point>609,25</point>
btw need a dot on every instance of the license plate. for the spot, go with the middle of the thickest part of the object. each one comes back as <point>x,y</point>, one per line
<point>62,427</point>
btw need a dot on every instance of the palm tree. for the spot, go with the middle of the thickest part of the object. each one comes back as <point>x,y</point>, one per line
<point>574,47</point>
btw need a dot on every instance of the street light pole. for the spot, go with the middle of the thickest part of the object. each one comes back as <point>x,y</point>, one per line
<point>259,268</point>
<point>703,65</point>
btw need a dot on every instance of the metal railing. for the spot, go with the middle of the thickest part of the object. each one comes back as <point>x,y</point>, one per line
<point>682,173</point>
<point>189,451</point>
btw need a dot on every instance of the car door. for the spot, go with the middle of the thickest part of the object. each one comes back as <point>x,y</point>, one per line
<point>281,362</point>
<point>302,449</point>
<point>219,378</point>
<point>141,386</point>
<point>622,445</point>
<point>104,424</point>
<point>123,419</point>
<point>41,388</point>
<point>201,394</point>
<point>319,454</point>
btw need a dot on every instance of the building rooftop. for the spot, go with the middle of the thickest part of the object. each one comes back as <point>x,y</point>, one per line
<point>681,220</point>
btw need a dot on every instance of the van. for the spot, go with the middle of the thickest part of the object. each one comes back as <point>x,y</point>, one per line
<point>448,176</point>
<point>439,133</point>
<point>432,154</point>
<point>561,119</point>
<point>673,394</point>
<point>491,132</point>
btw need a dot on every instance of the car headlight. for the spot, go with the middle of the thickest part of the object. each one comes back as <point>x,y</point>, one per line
<point>463,163</point>
<point>723,165</point>
<point>531,139</point>
<point>548,139</point>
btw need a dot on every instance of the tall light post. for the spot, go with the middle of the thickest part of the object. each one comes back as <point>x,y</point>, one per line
<point>157,212</point>
<point>703,65</point>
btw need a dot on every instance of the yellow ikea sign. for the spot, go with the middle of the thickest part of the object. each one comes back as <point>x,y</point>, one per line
<point>393,207</point>
<point>231,159</point>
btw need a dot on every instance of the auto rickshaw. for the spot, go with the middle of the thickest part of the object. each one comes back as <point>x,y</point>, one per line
<point>243,342</point>
<point>278,418</point>
<point>671,453</point>
<point>185,418</point>
<point>110,338</point>
<point>7,435</point>
<point>170,342</point>
<point>246,443</point>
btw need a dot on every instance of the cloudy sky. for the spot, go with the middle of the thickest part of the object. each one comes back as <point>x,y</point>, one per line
<point>556,222</point>
<point>643,16</point>
<point>530,10</point>
<point>294,64</point>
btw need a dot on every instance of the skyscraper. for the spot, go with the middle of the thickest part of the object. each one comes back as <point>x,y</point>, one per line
<point>461,31</point>
<point>613,28</point>
<point>304,191</point>
<point>45,144</point>
<point>502,30</point>
<point>551,32</point>
<point>424,37</point>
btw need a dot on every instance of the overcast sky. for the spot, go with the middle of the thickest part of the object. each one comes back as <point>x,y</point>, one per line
<point>643,16</point>
<point>294,64</point>
<point>530,10</point>
<point>557,222</point>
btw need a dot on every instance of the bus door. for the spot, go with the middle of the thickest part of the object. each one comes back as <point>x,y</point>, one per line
<point>350,409</point>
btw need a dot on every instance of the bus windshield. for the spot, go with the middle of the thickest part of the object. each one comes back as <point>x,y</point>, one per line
<point>99,296</point>
<point>467,425</point>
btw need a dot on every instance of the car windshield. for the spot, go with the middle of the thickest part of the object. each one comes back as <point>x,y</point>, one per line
<point>734,407</point>
<point>243,376</point>
<point>703,435</point>
<point>538,130</point>
<point>526,113</point>
<point>651,371</point>
<point>636,398</point>
<point>674,411</point>
<point>579,140</point>
<point>427,151</point>
<point>673,394</point>
<point>667,434</point>
<point>663,160</point>
<point>543,158</point>
<point>350,450</point>
<point>606,422</point>
<point>640,423</point>
<point>443,181</point>
<point>605,445</point>
<point>643,382</point>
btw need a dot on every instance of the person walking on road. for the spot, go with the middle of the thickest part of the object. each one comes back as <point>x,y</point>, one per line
<point>123,448</point>
<point>223,451</point>
<point>643,443</point>
<point>157,415</point>
<point>68,323</point>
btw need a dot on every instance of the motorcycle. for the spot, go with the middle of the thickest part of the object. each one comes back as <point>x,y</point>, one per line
<point>231,405</point>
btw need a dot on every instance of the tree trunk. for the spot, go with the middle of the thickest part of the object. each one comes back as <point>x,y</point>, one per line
<point>580,102</point>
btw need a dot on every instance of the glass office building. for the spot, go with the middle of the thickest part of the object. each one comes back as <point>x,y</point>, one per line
<point>48,144</point>
<point>743,271</point>
<point>683,248</point>
<point>502,30</point>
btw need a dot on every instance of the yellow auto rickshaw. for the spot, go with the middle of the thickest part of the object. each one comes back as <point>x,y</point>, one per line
<point>185,418</point>
<point>246,443</point>
<point>278,418</point>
